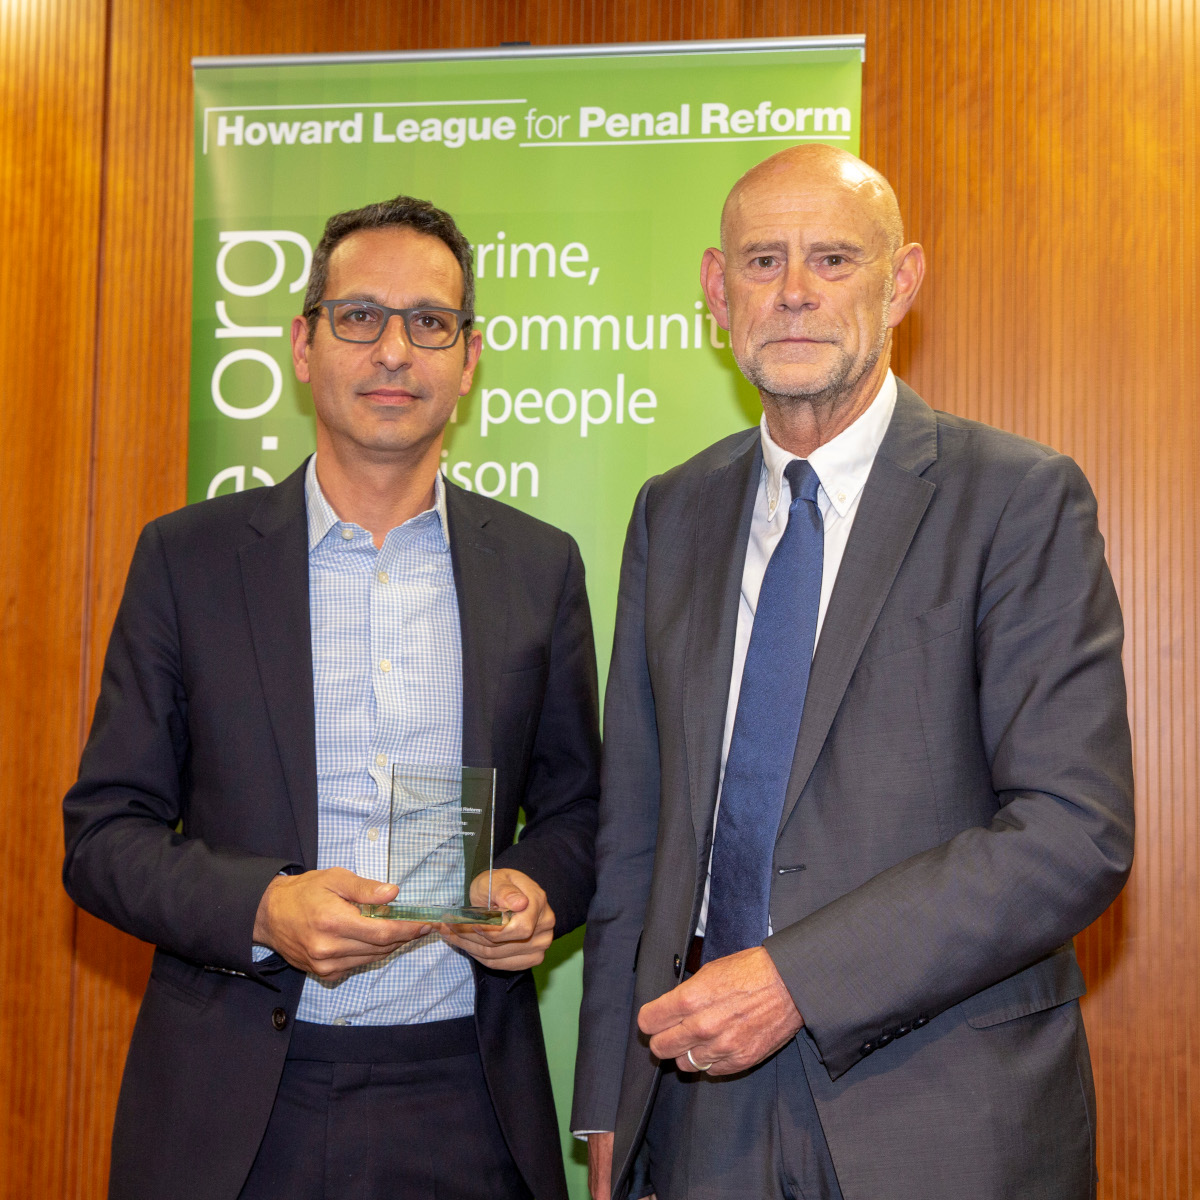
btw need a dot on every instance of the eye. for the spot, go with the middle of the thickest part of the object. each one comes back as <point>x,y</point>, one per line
<point>432,319</point>
<point>764,262</point>
<point>834,260</point>
<point>358,314</point>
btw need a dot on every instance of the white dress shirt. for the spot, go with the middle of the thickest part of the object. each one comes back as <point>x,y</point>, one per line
<point>842,465</point>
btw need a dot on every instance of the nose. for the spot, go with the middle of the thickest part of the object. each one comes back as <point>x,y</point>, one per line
<point>797,287</point>
<point>393,350</point>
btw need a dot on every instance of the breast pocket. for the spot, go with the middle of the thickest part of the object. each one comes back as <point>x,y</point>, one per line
<point>528,658</point>
<point>519,705</point>
<point>897,636</point>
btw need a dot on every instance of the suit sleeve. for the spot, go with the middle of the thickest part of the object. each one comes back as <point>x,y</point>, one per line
<point>125,861</point>
<point>557,845</point>
<point>947,923</point>
<point>625,848</point>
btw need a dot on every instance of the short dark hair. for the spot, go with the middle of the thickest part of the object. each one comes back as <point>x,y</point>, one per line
<point>402,212</point>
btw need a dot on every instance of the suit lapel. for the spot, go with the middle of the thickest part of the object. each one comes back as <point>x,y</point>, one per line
<point>893,503</point>
<point>723,514</point>
<point>275,582</point>
<point>483,621</point>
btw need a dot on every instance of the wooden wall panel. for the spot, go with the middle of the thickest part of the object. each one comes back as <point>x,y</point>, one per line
<point>141,448</point>
<point>1043,150</point>
<point>51,106</point>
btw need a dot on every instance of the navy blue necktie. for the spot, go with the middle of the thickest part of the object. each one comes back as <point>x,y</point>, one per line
<point>766,726</point>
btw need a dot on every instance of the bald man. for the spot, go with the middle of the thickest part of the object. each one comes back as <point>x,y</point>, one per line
<point>867,764</point>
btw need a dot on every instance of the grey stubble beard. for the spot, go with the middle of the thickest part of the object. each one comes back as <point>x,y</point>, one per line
<point>829,394</point>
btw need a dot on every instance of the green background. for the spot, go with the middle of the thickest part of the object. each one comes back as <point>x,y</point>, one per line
<point>645,214</point>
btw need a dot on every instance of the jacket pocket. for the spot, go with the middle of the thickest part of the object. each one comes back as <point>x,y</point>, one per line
<point>916,631</point>
<point>189,982</point>
<point>528,659</point>
<point>1050,982</point>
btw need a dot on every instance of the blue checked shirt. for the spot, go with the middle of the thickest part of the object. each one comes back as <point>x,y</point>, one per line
<point>387,682</point>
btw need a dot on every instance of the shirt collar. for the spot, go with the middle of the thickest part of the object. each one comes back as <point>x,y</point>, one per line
<point>322,518</point>
<point>842,464</point>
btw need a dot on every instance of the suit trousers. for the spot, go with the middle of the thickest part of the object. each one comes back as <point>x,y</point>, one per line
<point>755,1134</point>
<point>384,1113</point>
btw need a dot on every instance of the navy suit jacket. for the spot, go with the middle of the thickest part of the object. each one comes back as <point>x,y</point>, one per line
<point>198,785</point>
<point>960,805</point>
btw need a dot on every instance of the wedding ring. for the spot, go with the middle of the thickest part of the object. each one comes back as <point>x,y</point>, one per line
<point>699,1066</point>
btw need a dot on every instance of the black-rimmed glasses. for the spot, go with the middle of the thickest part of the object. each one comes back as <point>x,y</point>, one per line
<point>360,321</point>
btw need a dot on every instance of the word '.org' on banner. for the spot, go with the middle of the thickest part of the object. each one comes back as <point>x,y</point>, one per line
<point>275,240</point>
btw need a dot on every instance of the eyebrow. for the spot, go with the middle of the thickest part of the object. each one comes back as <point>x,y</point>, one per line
<point>835,248</point>
<point>816,247</point>
<point>369,298</point>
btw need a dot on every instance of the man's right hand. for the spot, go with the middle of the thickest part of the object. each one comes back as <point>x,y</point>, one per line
<point>313,921</point>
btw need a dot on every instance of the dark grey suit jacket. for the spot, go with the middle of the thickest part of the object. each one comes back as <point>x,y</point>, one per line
<point>206,717</point>
<point>960,800</point>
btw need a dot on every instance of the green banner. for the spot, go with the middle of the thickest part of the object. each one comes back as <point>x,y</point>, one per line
<point>589,181</point>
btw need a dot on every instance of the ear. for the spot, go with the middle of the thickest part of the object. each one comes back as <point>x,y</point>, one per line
<point>712,280</point>
<point>300,348</point>
<point>474,346</point>
<point>908,270</point>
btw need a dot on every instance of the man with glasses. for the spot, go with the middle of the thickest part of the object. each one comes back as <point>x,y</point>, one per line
<point>275,652</point>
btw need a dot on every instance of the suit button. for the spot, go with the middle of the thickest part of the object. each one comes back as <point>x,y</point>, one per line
<point>279,1019</point>
<point>918,1022</point>
<point>678,966</point>
<point>866,1048</point>
<point>901,1030</point>
<point>883,1039</point>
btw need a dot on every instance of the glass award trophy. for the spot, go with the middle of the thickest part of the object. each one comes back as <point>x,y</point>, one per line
<point>440,832</point>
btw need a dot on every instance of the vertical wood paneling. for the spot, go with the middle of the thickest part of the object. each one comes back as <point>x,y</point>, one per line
<point>1043,150</point>
<point>51,99</point>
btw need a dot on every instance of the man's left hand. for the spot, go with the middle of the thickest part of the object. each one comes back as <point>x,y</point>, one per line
<point>731,1014</point>
<point>524,940</point>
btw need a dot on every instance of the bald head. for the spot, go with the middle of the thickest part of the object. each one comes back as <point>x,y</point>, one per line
<point>823,168</point>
